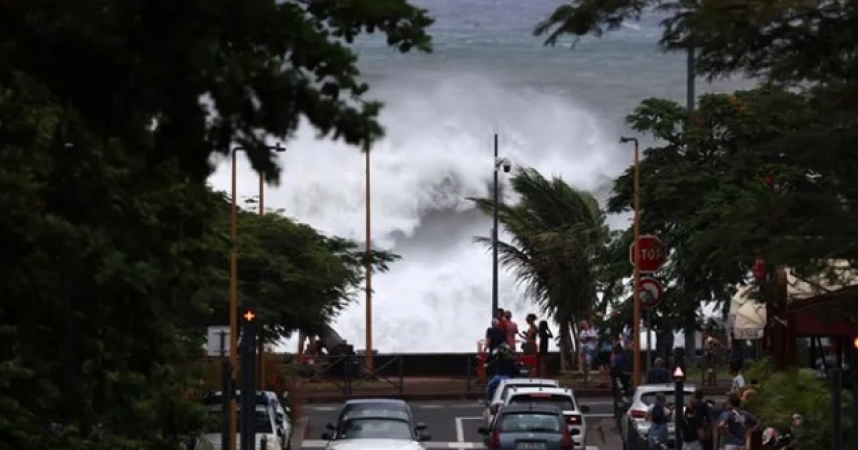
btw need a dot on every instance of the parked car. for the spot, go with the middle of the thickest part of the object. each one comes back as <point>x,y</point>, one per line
<point>505,387</point>
<point>371,430</point>
<point>373,407</point>
<point>642,398</point>
<point>528,427</point>
<point>282,415</point>
<point>268,434</point>
<point>563,398</point>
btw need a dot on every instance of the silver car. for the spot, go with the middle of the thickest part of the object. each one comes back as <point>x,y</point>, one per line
<point>643,398</point>
<point>365,430</point>
<point>505,387</point>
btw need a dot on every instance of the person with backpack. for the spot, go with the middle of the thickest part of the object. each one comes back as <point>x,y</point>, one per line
<point>736,425</point>
<point>503,366</point>
<point>658,415</point>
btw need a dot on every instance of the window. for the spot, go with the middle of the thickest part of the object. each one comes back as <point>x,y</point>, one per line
<point>564,402</point>
<point>649,398</point>
<point>261,420</point>
<point>375,428</point>
<point>353,413</point>
<point>509,387</point>
<point>530,422</point>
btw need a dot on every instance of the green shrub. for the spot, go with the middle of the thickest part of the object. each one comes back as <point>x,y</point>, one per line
<point>781,394</point>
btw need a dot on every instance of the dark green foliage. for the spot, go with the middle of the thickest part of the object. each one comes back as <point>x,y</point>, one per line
<point>297,277</point>
<point>102,282</point>
<point>705,193</point>
<point>262,64</point>
<point>114,257</point>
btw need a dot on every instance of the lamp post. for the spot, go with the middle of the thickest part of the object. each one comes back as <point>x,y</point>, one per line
<point>636,286</point>
<point>233,280</point>
<point>368,294</point>
<point>500,163</point>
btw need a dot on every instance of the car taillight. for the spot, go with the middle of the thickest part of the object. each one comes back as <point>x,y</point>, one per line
<point>636,414</point>
<point>566,441</point>
<point>496,439</point>
<point>573,420</point>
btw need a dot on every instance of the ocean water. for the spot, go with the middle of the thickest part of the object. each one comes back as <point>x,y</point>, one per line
<point>558,109</point>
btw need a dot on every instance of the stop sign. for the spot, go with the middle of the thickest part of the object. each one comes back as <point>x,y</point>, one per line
<point>651,253</point>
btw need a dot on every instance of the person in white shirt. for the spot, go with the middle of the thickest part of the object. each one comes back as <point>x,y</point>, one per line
<point>738,381</point>
<point>588,338</point>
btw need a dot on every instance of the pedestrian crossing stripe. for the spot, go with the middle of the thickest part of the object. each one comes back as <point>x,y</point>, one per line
<point>318,443</point>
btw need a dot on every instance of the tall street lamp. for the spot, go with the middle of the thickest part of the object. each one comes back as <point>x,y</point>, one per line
<point>233,280</point>
<point>368,301</point>
<point>506,165</point>
<point>636,288</point>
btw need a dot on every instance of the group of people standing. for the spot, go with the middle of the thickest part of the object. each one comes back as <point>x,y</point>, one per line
<point>534,338</point>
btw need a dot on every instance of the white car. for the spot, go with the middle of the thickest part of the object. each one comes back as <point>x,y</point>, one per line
<point>282,415</point>
<point>267,433</point>
<point>376,432</point>
<point>564,398</point>
<point>643,397</point>
<point>505,387</point>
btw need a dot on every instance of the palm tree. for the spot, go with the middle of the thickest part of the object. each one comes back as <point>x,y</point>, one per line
<point>559,240</point>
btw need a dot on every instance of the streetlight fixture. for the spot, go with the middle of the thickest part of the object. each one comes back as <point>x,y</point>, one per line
<point>369,356</point>
<point>636,322</point>
<point>233,280</point>
<point>505,165</point>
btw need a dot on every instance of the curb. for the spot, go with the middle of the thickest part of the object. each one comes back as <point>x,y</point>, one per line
<point>337,397</point>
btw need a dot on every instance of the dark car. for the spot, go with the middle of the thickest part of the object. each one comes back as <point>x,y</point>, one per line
<point>375,407</point>
<point>528,427</point>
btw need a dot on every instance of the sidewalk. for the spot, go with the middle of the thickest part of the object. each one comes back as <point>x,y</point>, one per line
<point>427,389</point>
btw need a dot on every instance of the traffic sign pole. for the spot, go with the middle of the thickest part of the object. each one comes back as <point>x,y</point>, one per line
<point>248,378</point>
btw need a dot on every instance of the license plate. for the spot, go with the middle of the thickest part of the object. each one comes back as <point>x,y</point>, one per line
<point>531,446</point>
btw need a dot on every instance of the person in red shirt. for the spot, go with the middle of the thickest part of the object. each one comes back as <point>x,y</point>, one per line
<point>501,317</point>
<point>511,330</point>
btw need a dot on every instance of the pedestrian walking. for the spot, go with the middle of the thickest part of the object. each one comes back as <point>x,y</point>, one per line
<point>736,426</point>
<point>545,336</point>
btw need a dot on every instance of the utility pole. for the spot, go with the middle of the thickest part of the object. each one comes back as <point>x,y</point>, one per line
<point>369,351</point>
<point>690,99</point>
<point>495,202</point>
<point>636,286</point>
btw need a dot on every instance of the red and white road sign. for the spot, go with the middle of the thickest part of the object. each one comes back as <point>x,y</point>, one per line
<point>651,292</point>
<point>652,253</point>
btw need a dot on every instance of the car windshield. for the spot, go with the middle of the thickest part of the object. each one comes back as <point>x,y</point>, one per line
<point>374,428</point>
<point>376,413</point>
<point>564,402</point>
<point>530,422</point>
<point>509,387</point>
<point>261,421</point>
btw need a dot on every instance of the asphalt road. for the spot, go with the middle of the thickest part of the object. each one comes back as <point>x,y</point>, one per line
<point>451,424</point>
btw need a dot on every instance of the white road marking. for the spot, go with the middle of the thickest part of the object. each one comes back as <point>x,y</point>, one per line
<point>429,445</point>
<point>460,429</point>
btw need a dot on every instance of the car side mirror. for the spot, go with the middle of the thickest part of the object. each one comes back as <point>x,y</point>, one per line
<point>425,437</point>
<point>483,430</point>
<point>420,426</point>
<point>326,436</point>
<point>584,408</point>
<point>279,419</point>
<point>331,427</point>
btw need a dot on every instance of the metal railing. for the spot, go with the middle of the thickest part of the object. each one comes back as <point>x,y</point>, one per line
<point>398,382</point>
